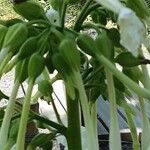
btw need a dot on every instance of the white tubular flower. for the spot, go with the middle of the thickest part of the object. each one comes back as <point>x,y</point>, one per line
<point>132,30</point>
<point>53,16</point>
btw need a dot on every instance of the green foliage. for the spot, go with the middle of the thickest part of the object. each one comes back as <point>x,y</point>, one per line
<point>12,38</point>
<point>86,62</point>
<point>25,9</point>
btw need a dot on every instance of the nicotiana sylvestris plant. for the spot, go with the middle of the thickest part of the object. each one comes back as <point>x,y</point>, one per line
<point>40,43</point>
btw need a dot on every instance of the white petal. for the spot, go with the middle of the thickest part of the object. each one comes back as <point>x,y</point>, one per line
<point>113,5</point>
<point>132,30</point>
<point>53,16</point>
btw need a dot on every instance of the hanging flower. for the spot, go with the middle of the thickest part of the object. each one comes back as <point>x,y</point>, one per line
<point>132,30</point>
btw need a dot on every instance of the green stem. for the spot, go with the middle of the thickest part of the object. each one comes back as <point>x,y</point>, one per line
<point>123,78</point>
<point>114,135</point>
<point>3,53</point>
<point>97,27</point>
<point>145,125</point>
<point>9,144</point>
<point>73,131</point>
<point>9,66</point>
<point>56,111</point>
<point>91,137</point>
<point>136,144</point>
<point>62,129</point>
<point>94,119</point>
<point>24,117</point>
<point>63,14</point>
<point>82,16</point>
<point>8,115</point>
<point>5,61</point>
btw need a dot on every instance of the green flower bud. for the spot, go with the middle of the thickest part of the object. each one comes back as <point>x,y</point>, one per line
<point>21,71</point>
<point>86,44</point>
<point>36,66</point>
<point>105,46</point>
<point>61,66</point>
<point>70,53</point>
<point>45,88</point>
<point>30,10</point>
<point>15,36</point>
<point>27,48</point>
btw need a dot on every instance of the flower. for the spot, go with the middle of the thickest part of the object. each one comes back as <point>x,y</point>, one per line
<point>53,16</point>
<point>132,30</point>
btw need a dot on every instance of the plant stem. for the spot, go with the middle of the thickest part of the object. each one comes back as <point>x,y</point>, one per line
<point>94,119</point>
<point>73,131</point>
<point>9,144</point>
<point>8,115</point>
<point>91,137</point>
<point>145,125</point>
<point>114,135</point>
<point>82,16</point>
<point>9,66</point>
<point>62,129</point>
<point>123,78</point>
<point>24,117</point>
<point>63,14</point>
<point>3,53</point>
<point>55,110</point>
<point>5,61</point>
<point>136,144</point>
<point>145,120</point>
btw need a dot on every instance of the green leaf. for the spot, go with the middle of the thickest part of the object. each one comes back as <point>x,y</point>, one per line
<point>15,36</point>
<point>126,59</point>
